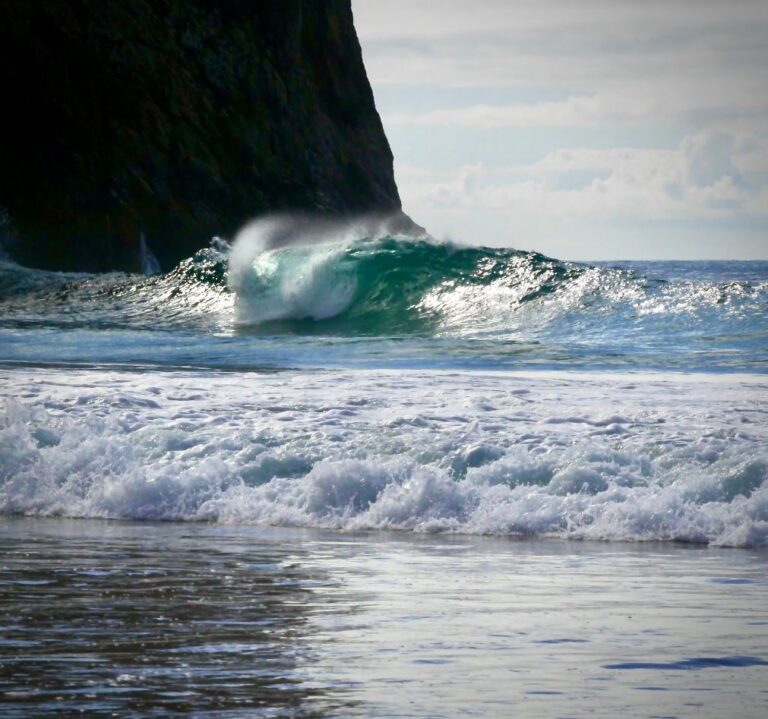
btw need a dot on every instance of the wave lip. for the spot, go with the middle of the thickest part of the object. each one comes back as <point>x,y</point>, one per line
<point>296,283</point>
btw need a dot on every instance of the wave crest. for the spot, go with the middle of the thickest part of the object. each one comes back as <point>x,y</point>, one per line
<point>285,276</point>
<point>381,284</point>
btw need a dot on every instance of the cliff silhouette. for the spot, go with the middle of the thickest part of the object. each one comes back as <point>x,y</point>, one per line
<point>178,120</point>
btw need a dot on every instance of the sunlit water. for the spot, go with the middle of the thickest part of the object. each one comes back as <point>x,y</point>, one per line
<point>128,620</point>
<point>395,478</point>
<point>392,303</point>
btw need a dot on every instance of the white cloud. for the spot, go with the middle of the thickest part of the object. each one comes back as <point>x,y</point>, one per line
<point>701,179</point>
<point>573,112</point>
<point>509,81</point>
<point>669,62</point>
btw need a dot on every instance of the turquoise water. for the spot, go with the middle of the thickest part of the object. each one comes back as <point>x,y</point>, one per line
<point>380,382</point>
<point>393,303</point>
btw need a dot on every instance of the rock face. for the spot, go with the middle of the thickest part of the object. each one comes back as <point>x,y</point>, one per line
<point>179,120</point>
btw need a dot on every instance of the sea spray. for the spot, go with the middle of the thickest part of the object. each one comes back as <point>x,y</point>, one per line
<point>147,260</point>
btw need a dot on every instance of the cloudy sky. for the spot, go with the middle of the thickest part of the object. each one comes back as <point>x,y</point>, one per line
<point>585,129</point>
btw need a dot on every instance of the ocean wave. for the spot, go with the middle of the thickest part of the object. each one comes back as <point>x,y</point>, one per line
<point>345,285</point>
<point>301,281</point>
<point>351,279</point>
<point>598,458</point>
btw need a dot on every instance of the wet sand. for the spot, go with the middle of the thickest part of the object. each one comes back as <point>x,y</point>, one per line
<point>136,619</point>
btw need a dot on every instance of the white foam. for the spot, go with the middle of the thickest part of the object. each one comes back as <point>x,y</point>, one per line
<point>288,267</point>
<point>426,451</point>
<point>295,283</point>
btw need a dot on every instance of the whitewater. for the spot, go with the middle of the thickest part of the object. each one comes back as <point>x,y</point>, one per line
<point>328,471</point>
<point>624,457</point>
<point>332,377</point>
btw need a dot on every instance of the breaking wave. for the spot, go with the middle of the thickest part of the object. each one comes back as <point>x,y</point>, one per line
<point>381,285</point>
<point>481,454</point>
<point>352,281</point>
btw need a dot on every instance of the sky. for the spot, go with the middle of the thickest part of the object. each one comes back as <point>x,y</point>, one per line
<point>584,129</point>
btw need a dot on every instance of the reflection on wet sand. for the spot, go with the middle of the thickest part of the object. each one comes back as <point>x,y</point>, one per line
<point>101,618</point>
<point>122,620</point>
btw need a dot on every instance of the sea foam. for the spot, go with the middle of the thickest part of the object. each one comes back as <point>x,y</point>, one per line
<point>600,457</point>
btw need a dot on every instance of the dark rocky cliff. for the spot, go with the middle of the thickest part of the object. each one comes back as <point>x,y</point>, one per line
<point>179,119</point>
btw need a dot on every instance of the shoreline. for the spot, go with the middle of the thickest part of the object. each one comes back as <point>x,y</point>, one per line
<point>385,535</point>
<point>136,618</point>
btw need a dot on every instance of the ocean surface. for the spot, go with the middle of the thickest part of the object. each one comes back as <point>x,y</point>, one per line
<point>395,303</point>
<point>321,425</point>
